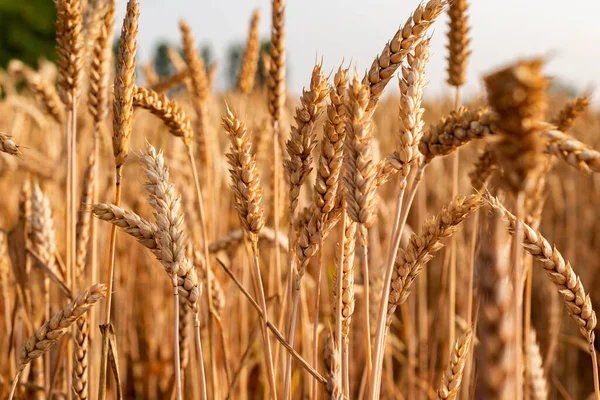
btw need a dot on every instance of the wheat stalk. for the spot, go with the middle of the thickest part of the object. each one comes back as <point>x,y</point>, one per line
<point>51,331</point>
<point>567,282</point>
<point>247,192</point>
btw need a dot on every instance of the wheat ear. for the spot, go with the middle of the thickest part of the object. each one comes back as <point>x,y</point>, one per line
<point>452,377</point>
<point>247,192</point>
<point>537,380</point>
<point>332,368</point>
<point>249,63</point>
<point>51,331</point>
<point>567,282</point>
<point>421,248</point>
<point>458,43</point>
<point>44,92</point>
<point>396,50</point>
<point>124,85</point>
<point>169,111</point>
<point>570,112</point>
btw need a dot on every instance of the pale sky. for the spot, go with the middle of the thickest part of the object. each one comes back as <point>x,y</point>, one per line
<point>357,30</point>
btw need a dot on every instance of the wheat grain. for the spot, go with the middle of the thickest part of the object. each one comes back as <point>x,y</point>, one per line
<point>570,112</point>
<point>8,146</point>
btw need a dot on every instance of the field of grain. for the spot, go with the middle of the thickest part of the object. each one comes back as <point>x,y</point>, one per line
<point>163,240</point>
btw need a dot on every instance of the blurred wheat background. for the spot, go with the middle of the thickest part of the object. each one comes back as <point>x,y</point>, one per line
<point>343,242</point>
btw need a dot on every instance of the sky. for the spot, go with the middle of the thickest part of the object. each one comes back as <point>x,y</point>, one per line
<point>566,32</point>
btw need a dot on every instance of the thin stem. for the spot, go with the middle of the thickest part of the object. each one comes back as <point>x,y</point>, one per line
<point>399,222</point>
<point>517,279</point>
<point>316,315</point>
<point>290,339</point>
<point>109,291</point>
<point>364,234</point>
<point>595,370</point>
<point>452,271</point>
<point>276,166</point>
<point>94,243</point>
<point>346,372</point>
<point>527,328</point>
<point>200,357</point>
<point>339,273</point>
<point>13,386</point>
<point>176,354</point>
<point>71,229</point>
<point>272,327</point>
<point>267,343</point>
<point>205,239</point>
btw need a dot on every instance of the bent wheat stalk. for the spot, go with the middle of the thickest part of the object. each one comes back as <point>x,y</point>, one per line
<point>51,331</point>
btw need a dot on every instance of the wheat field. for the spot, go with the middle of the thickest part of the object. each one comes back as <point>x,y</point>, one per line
<point>341,244</point>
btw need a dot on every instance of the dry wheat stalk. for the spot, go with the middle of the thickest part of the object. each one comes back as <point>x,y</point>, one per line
<point>332,147</point>
<point>44,92</point>
<point>8,146</point>
<point>69,50</point>
<point>577,302</point>
<point>51,331</point>
<point>244,176</point>
<point>100,66</point>
<point>537,380</point>
<point>303,139</point>
<point>452,377</point>
<point>169,111</point>
<point>570,112</point>
<point>496,322</point>
<point>200,91</point>
<point>131,223</point>
<point>249,63</point>
<point>235,239</point>
<point>276,75</point>
<point>456,130</point>
<point>124,88</point>
<point>572,151</point>
<point>458,43</point>
<point>421,248</point>
<point>247,192</point>
<point>402,43</point>
<point>211,74</point>
<point>360,171</point>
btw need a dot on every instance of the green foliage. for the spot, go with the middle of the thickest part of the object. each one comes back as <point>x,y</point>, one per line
<point>27,31</point>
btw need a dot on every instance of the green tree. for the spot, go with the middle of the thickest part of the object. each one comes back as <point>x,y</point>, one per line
<point>27,31</point>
